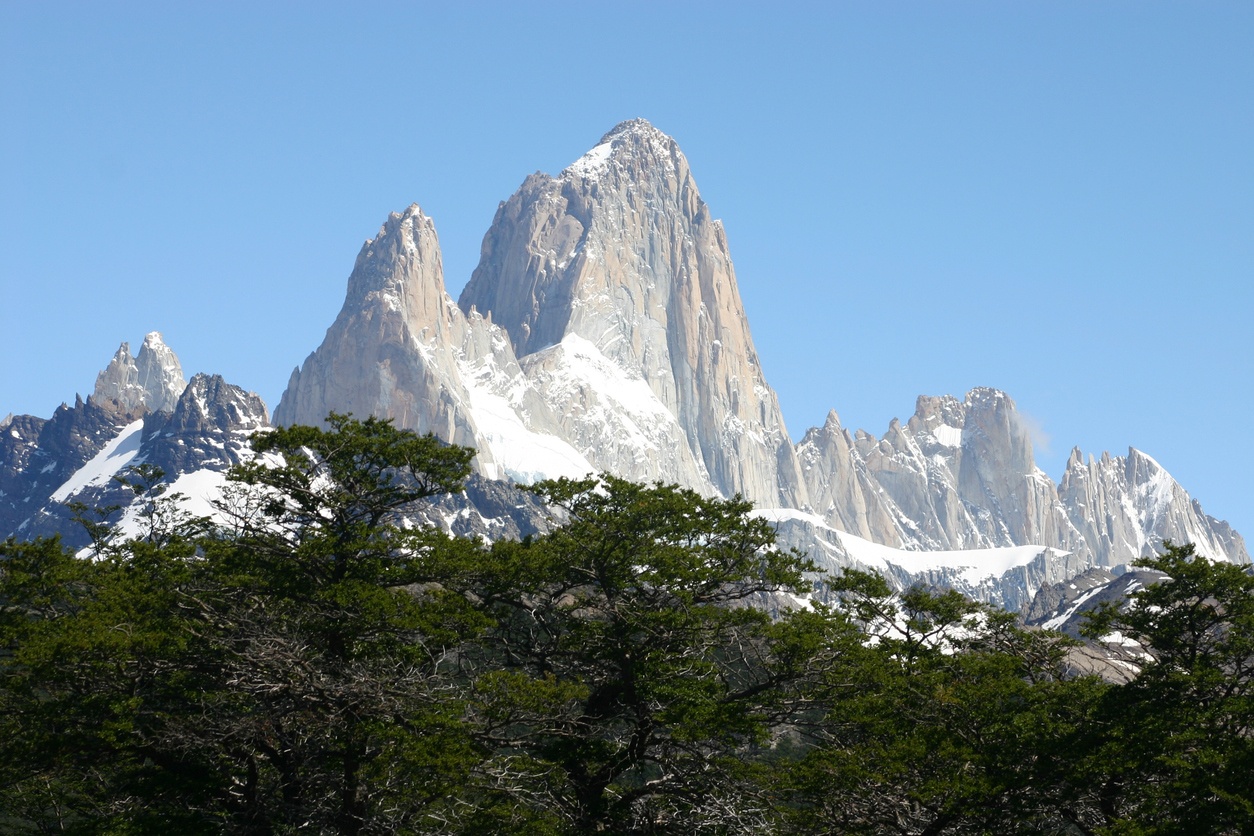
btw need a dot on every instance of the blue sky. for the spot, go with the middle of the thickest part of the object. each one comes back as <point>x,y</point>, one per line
<point>1055,199</point>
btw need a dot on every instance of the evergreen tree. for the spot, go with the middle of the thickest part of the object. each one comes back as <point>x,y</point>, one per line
<point>1172,750</point>
<point>632,669</point>
<point>948,718</point>
<point>282,673</point>
<point>314,661</point>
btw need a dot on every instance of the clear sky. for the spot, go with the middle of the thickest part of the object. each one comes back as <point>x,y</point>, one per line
<point>1052,198</point>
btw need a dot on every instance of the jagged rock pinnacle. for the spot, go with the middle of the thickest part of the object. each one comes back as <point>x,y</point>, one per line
<point>153,381</point>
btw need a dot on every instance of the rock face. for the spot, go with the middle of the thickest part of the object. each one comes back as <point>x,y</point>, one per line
<point>617,267</point>
<point>1066,606</point>
<point>152,381</point>
<point>402,349</point>
<point>1124,507</point>
<point>602,330</point>
<point>957,475</point>
<point>38,455</point>
<point>1062,605</point>
<point>208,429</point>
<point>960,475</point>
<point>386,353</point>
<point>73,457</point>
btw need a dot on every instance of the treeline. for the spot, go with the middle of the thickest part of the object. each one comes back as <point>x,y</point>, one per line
<point>311,662</point>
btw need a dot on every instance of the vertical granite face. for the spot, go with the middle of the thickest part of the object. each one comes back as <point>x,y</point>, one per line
<point>119,381</point>
<point>1124,507</point>
<point>618,255</point>
<point>159,374</point>
<point>388,353</point>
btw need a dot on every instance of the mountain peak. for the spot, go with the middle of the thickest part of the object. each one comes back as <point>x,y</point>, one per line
<point>152,381</point>
<point>621,252</point>
<point>633,137</point>
<point>160,374</point>
<point>639,126</point>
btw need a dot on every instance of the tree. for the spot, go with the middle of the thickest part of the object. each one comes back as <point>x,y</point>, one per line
<point>1172,749</point>
<point>315,660</point>
<point>96,663</point>
<point>946,719</point>
<point>629,672</point>
<point>338,616</point>
<point>281,673</point>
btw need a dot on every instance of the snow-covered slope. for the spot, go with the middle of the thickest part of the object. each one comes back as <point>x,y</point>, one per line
<point>112,459</point>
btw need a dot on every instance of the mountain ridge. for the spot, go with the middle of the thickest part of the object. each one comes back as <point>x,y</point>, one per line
<point>603,331</point>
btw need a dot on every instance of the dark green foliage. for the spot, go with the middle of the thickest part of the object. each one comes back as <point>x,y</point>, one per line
<point>628,673</point>
<point>1173,749</point>
<point>948,721</point>
<point>281,674</point>
<point>99,667</point>
<point>314,662</point>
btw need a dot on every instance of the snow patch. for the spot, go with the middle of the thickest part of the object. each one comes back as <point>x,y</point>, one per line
<point>948,436</point>
<point>524,455</point>
<point>972,566</point>
<point>1059,620</point>
<point>592,164</point>
<point>115,456</point>
<point>520,453</point>
<point>199,490</point>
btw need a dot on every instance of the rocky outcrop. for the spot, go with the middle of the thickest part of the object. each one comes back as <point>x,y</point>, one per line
<point>1056,605</point>
<point>209,428</point>
<point>840,488</point>
<point>960,475</point>
<point>389,352</point>
<point>957,475</point>
<point>489,509</point>
<point>38,455</point>
<point>616,266</point>
<point>142,411</point>
<point>1124,507</point>
<point>153,381</point>
<point>402,349</point>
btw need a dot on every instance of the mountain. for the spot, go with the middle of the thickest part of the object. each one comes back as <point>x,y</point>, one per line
<point>602,328</point>
<point>71,459</point>
<point>152,381</point>
<point>617,265</point>
<point>602,331</point>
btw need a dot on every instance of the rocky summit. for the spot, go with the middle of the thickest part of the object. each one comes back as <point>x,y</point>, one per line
<point>603,331</point>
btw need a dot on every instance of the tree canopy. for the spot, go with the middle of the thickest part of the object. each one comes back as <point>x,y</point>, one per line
<point>312,660</point>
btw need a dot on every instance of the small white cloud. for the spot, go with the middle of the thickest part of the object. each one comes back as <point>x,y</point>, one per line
<point>1041,439</point>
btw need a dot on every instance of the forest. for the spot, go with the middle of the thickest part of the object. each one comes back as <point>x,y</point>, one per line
<point>311,661</point>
